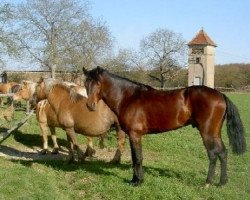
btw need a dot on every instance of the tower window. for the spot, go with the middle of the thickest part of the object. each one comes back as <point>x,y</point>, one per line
<point>197,51</point>
<point>198,60</point>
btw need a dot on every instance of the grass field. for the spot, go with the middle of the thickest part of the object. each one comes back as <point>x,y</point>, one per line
<point>175,167</point>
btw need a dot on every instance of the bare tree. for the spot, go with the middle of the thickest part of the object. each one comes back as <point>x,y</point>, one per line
<point>42,24</point>
<point>8,42</point>
<point>60,33</point>
<point>124,60</point>
<point>90,42</point>
<point>164,50</point>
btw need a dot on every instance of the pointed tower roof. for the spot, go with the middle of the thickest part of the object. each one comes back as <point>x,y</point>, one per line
<point>202,38</point>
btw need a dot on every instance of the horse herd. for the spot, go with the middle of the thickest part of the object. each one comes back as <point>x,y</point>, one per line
<point>84,122</point>
<point>134,109</point>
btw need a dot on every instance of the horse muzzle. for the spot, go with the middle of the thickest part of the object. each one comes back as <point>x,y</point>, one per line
<point>91,106</point>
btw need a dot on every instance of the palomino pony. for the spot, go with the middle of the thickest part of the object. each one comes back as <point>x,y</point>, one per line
<point>74,116</point>
<point>46,116</point>
<point>142,109</point>
<point>25,92</point>
<point>6,88</point>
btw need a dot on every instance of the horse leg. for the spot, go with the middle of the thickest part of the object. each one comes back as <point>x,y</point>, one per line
<point>90,151</point>
<point>215,149</point>
<point>136,154</point>
<point>101,141</point>
<point>223,160</point>
<point>71,150</point>
<point>27,107</point>
<point>212,155</point>
<point>54,140</point>
<point>121,137</point>
<point>43,127</point>
<point>74,145</point>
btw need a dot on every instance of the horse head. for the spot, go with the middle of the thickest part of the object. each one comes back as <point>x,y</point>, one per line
<point>25,90</point>
<point>93,86</point>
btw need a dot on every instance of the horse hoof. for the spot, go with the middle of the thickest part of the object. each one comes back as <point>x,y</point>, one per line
<point>89,152</point>
<point>222,183</point>
<point>70,161</point>
<point>43,152</point>
<point>136,182</point>
<point>115,161</point>
<point>101,146</point>
<point>81,161</point>
<point>55,151</point>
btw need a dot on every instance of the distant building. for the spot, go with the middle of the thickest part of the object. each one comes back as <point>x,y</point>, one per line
<point>201,56</point>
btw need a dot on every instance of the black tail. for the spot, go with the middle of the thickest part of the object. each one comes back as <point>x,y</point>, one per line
<point>235,129</point>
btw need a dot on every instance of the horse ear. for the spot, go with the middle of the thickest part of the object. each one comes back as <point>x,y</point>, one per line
<point>99,69</point>
<point>85,71</point>
<point>24,82</point>
<point>41,79</point>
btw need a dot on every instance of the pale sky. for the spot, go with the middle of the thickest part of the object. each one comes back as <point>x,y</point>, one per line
<point>227,22</point>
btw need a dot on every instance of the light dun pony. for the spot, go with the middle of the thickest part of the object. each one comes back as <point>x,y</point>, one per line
<point>73,116</point>
<point>47,118</point>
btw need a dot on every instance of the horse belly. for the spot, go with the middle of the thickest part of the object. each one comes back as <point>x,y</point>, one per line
<point>91,128</point>
<point>164,122</point>
<point>158,118</point>
<point>91,123</point>
<point>51,117</point>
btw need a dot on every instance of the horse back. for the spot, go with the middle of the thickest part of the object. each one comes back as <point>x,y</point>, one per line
<point>159,111</point>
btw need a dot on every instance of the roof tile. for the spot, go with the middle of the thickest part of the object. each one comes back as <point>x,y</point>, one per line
<point>202,38</point>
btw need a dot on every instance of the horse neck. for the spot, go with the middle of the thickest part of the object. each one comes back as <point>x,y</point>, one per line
<point>115,94</point>
<point>32,89</point>
<point>55,96</point>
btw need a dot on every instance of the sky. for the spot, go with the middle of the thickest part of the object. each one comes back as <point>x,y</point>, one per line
<point>227,22</point>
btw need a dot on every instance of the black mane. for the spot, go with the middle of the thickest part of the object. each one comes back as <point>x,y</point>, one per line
<point>94,74</point>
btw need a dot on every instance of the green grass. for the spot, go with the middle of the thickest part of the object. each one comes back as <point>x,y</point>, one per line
<point>175,166</point>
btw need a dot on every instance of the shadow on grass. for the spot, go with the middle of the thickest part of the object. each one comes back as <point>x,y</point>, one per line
<point>104,168</point>
<point>32,140</point>
<point>99,167</point>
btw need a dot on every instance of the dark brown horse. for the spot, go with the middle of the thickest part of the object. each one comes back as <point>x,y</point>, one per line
<point>74,117</point>
<point>142,109</point>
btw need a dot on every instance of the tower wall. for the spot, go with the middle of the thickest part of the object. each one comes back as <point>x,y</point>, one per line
<point>209,62</point>
<point>201,61</point>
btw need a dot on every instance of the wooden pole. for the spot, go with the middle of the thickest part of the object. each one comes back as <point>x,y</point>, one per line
<point>5,135</point>
<point>7,95</point>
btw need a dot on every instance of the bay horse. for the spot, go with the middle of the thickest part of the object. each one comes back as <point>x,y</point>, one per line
<point>46,116</point>
<point>142,109</point>
<point>74,117</point>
